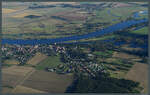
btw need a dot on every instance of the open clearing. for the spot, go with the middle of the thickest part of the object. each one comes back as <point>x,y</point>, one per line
<point>51,61</point>
<point>23,89</point>
<point>21,15</point>
<point>11,62</point>
<point>53,3</point>
<point>11,76</point>
<point>6,11</point>
<point>48,81</point>
<point>37,58</point>
<point>6,90</point>
<point>17,70</point>
<point>10,81</point>
<point>142,31</point>
<point>126,56</point>
<point>139,73</point>
<point>128,48</point>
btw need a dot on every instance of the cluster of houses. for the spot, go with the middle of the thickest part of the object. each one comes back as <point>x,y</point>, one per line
<point>24,53</point>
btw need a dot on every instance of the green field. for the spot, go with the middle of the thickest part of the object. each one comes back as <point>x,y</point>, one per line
<point>46,26</point>
<point>105,54</point>
<point>142,31</point>
<point>118,68</point>
<point>122,13</point>
<point>51,62</point>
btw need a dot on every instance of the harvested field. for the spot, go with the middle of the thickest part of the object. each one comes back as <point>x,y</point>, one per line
<point>110,60</point>
<point>21,15</point>
<point>74,16</point>
<point>11,62</point>
<point>37,58</point>
<point>6,90</point>
<point>139,73</point>
<point>51,61</point>
<point>53,3</point>
<point>126,56</point>
<point>23,89</point>
<point>11,76</point>
<point>6,11</point>
<point>9,80</point>
<point>121,5</point>
<point>17,70</point>
<point>128,48</point>
<point>48,81</point>
<point>71,15</point>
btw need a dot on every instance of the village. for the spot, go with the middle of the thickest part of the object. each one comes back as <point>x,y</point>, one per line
<point>74,47</point>
<point>23,53</point>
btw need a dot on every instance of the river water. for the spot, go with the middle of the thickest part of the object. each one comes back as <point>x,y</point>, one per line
<point>116,27</point>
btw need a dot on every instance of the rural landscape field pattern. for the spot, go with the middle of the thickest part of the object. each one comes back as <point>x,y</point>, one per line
<point>74,47</point>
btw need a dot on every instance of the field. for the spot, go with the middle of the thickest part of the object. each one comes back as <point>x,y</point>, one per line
<point>68,20</point>
<point>21,15</point>
<point>11,61</point>
<point>142,31</point>
<point>52,68</point>
<point>125,56</point>
<point>23,89</point>
<point>119,64</point>
<point>5,11</point>
<point>11,76</point>
<point>51,61</point>
<point>25,79</point>
<point>72,16</point>
<point>19,79</point>
<point>36,59</point>
<point>49,82</point>
<point>17,70</point>
<point>139,73</point>
<point>15,22</point>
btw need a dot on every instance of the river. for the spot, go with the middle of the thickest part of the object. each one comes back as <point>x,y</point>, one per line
<point>110,29</point>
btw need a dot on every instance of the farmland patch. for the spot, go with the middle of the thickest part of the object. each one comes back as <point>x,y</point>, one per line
<point>51,62</point>
<point>23,89</point>
<point>36,59</point>
<point>6,11</point>
<point>48,81</point>
<point>139,73</point>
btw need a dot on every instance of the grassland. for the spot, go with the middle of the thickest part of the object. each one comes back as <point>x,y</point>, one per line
<point>11,76</point>
<point>19,79</point>
<point>32,78</point>
<point>48,81</point>
<point>51,61</point>
<point>5,11</point>
<point>117,63</point>
<point>37,59</point>
<point>16,26</point>
<point>23,89</point>
<point>21,15</point>
<point>142,31</point>
<point>117,68</point>
<point>95,39</point>
<point>106,54</point>
<point>142,76</point>
<point>11,61</point>
<point>120,13</point>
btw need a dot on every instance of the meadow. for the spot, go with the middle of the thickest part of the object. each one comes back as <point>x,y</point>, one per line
<point>77,20</point>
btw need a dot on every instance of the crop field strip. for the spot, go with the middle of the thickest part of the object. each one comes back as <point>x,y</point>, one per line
<point>20,77</point>
<point>41,74</point>
<point>49,82</point>
<point>58,35</point>
<point>142,76</point>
